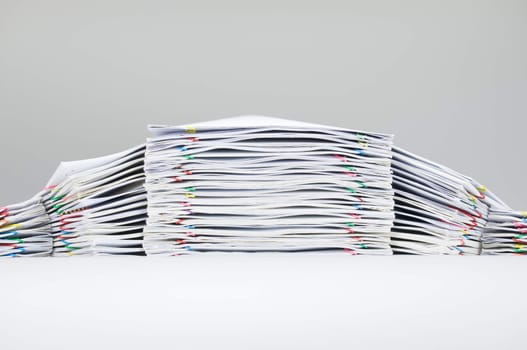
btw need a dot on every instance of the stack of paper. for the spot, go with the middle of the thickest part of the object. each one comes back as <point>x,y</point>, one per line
<point>25,229</point>
<point>506,232</point>
<point>98,206</point>
<point>265,184</point>
<point>437,210</point>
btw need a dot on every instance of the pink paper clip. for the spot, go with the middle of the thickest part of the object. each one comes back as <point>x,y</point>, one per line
<point>350,251</point>
<point>341,157</point>
<point>519,224</point>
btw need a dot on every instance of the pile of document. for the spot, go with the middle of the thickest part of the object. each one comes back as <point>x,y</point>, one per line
<point>25,229</point>
<point>98,206</point>
<point>438,211</point>
<point>261,184</point>
<point>256,184</point>
<point>506,232</point>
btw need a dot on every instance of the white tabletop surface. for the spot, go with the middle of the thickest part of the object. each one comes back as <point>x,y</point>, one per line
<point>263,302</point>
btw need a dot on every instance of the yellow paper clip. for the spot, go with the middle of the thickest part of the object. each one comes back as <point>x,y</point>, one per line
<point>482,188</point>
<point>11,227</point>
<point>190,129</point>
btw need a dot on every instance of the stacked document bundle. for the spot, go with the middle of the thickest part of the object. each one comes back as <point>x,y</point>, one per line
<point>98,206</point>
<point>25,229</point>
<point>264,184</point>
<point>437,210</point>
<point>506,232</point>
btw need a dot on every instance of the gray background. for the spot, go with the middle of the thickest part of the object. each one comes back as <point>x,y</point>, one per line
<point>80,79</point>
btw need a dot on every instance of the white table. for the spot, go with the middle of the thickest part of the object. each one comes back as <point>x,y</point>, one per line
<point>271,301</point>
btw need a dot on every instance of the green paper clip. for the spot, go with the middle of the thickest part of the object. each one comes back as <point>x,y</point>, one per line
<point>57,198</point>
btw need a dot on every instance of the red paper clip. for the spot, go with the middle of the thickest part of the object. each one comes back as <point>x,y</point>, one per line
<point>355,216</point>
